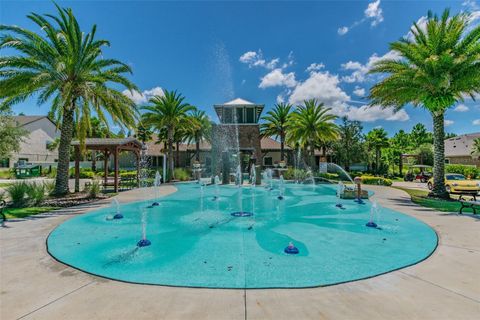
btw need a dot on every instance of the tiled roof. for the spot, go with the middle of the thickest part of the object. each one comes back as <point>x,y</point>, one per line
<point>461,145</point>
<point>23,120</point>
<point>106,141</point>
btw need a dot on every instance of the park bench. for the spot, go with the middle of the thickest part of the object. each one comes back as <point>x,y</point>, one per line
<point>471,204</point>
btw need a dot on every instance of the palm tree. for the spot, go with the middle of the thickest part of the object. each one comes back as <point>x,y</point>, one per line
<point>476,147</point>
<point>65,67</point>
<point>311,124</point>
<point>439,67</point>
<point>276,124</point>
<point>167,113</point>
<point>200,130</point>
<point>377,139</point>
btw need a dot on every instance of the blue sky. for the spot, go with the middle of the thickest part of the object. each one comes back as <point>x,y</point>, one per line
<point>262,51</point>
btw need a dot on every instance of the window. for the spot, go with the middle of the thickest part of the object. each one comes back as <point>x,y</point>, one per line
<point>267,161</point>
<point>250,115</point>
<point>239,115</point>
<point>227,115</point>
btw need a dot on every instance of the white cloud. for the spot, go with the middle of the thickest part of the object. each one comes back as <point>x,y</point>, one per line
<point>476,122</point>
<point>360,92</point>
<point>277,78</point>
<point>461,108</point>
<point>359,70</point>
<point>373,113</point>
<point>374,12</point>
<point>448,122</point>
<point>144,96</point>
<point>280,98</point>
<point>256,59</point>
<point>343,30</point>
<point>322,86</point>
<point>315,67</point>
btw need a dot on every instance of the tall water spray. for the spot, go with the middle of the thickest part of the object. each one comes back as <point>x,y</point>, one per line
<point>216,182</point>
<point>281,188</point>
<point>143,175</point>
<point>374,211</point>
<point>116,207</point>
<point>156,185</point>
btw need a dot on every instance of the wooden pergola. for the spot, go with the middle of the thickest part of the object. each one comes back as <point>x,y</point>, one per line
<point>108,146</point>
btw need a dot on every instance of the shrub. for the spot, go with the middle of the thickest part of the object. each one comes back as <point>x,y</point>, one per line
<point>376,180</point>
<point>52,174</point>
<point>294,174</point>
<point>462,169</point>
<point>85,173</point>
<point>49,186</point>
<point>93,189</point>
<point>7,174</point>
<point>35,193</point>
<point>328,176</point>
<point>181,174</point>
<point>18,193</point>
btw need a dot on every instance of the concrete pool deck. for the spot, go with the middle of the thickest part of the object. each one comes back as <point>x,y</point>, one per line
<point>445,286</point>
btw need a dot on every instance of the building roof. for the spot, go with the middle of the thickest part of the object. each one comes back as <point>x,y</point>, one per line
<point>109,142</point>
<point>460,146</point>
<point>23,120</point>
<point>155,149</point>
<point>239,102</point>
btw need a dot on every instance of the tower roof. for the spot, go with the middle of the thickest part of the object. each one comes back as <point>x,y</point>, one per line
<point>239,102</point>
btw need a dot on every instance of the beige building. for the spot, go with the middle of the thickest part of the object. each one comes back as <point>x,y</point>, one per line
<point>458,150</point>
<point>33,149</point>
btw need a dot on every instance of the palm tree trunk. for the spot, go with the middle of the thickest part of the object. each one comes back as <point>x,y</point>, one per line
<point>377,160</point>
<point>66,134</point>
<point>94,160</point>
<point>170,155</point>
<point>439,157</point>
<point>197,148</point>
<point>312,155</point>
<point>282,147</point>
<point>177,153</point>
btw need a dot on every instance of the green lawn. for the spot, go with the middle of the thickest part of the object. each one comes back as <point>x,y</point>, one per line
<point>12,213</point>
<point>5,184</point>
<point>420,197</point>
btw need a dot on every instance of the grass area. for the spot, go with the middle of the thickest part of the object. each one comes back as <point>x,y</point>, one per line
<point>12,213</point>
<point>420,197</point>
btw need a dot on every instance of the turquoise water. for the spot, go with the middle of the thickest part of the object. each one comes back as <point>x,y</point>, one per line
<point>196,242</point>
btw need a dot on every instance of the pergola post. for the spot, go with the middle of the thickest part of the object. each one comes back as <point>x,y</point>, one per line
<point>77,169</point>
<point>105,167</point>
<point>115,161</point>
<point>137,155</point>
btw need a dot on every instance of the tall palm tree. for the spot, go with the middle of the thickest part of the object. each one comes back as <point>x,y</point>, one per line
<point>311,124</point>
<point>65,67</point>
<point>439,66</point>
<point>276,124</point>
<point>377,139</point>
<point>200,130</point>
<point>167,112</point>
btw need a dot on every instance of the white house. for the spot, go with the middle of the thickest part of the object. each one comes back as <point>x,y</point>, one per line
<point>33,149</point>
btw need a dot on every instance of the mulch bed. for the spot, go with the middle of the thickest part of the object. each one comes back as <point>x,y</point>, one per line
<point>72,200</point>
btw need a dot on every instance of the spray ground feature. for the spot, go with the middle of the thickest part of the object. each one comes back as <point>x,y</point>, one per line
<point>196,242</point>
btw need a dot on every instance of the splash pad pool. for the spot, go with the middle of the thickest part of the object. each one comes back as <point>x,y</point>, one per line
<point>197,242</point>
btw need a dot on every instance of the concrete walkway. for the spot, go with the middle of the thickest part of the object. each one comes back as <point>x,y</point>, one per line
<point>445,286</point>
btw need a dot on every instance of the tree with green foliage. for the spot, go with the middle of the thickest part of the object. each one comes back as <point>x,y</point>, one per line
<point>11,135</point>
<point>349,147</point>
<point>200,130</point>
<point>419,135</point>
<point>377,139</point>
<point>311,123</point>
<point>66,67</point>
<point>276,124</point>
<point>439,66</point>
<point>167,113</point>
